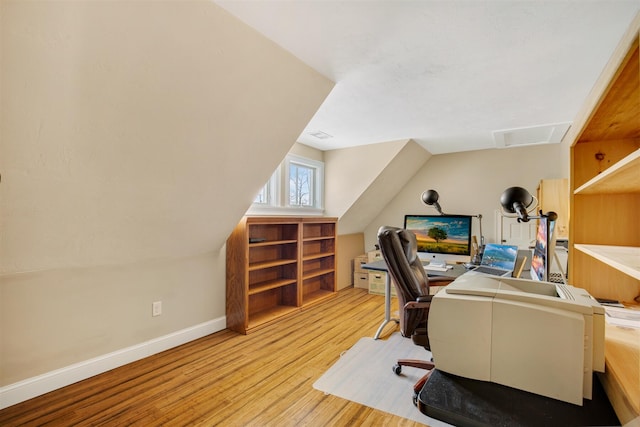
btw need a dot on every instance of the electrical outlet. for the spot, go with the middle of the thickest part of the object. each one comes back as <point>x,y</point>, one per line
<point>156,308</point>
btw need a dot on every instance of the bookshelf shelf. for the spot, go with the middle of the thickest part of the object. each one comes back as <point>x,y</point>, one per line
<point>623,177</point>
<point>622,258</point>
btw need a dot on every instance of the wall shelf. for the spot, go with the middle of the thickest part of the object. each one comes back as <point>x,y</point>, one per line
<point>623,258</point>
<point>315,273</point>
<point>269,284</point>
<point>623,177</point>
<point>318,256</point>
<point>271,243</point>
<point>269,264</point>
<point>261,318</point>
<point>317,296</point>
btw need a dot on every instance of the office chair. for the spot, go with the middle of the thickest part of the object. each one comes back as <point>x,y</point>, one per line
<point>399,250</point>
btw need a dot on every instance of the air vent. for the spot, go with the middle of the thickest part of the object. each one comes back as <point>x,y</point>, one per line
<point>533,135</point>
<point>320,135</point>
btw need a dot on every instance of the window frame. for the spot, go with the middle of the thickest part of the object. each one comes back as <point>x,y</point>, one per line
<point>272,189</point>
<point>278,188</point>
<point>317,185</point>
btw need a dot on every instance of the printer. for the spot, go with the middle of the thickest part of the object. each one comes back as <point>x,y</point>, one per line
<point>541,337</point>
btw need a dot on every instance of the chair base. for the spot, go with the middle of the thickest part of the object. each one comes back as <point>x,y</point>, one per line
<point>415,363</point>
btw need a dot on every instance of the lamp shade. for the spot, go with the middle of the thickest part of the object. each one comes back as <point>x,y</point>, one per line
<point>430,198</point>
<point>517,200</point>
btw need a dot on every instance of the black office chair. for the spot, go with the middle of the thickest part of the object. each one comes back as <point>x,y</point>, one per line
<point>399,250</point>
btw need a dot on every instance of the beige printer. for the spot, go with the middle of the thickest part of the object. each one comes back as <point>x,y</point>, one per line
<point>541,337</point>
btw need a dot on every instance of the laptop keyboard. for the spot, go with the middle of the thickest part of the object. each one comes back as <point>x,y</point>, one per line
<point>489,270</point>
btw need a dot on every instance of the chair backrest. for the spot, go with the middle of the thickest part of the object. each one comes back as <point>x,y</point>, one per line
<point>400,252</point>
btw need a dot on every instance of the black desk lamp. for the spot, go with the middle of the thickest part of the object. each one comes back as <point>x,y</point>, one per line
<point>517,200</point>
<point>430,198</point>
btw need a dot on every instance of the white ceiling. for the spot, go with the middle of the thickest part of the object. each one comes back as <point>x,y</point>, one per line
<point>445,73</point>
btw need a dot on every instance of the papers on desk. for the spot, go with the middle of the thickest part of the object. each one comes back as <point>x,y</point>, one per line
<point>430,267</point>
<point>622,317</point>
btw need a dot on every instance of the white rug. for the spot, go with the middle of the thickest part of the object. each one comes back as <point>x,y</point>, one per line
<point>364,374</point>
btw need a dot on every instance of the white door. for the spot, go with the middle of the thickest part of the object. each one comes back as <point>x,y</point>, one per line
<point>512,232</point>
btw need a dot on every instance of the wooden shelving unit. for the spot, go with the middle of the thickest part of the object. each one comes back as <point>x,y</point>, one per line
<point>277,266</point>
<point>318,259</point>
<point>604,229</point>
<point>605,182</point>
<point>553,195</point>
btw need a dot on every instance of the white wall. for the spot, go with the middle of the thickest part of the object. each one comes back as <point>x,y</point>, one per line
<point>134,137</point>
<point>471,183</point>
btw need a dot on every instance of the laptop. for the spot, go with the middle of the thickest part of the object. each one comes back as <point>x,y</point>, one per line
<point>498,260</point>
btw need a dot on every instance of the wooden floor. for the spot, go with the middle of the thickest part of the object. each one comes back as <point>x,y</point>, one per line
<point>262,379</point>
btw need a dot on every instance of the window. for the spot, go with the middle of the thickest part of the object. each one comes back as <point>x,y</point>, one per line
<point>263,196</point>
<point>268,195</point>
<point>300,189</point>
<point>300,185</point>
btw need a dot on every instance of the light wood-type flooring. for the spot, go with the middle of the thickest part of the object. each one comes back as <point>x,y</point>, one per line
<point>228,379</point>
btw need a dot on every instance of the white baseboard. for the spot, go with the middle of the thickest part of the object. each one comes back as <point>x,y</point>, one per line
<point>41,384</point>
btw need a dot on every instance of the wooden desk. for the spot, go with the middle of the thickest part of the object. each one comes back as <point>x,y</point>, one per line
<point>621,379</point>
<point>456,271</point>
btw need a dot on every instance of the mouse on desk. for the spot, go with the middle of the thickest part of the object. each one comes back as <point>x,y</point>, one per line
<point>469,265</point>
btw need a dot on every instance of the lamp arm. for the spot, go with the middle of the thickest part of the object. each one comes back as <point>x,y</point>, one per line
<point>437,207</point>
<point>479,216</point>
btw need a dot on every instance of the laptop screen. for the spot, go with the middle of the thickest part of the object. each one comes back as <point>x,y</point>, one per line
<point>499,256</point>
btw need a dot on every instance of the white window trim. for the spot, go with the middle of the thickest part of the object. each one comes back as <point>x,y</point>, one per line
<point>273,191</point>
<point>279,190</point>
<point>318,180</point>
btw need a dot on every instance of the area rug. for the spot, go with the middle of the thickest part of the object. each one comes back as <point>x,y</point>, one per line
<point>364,374</point>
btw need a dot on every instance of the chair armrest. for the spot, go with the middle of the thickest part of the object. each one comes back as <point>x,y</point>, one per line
<point>424,298</point>
<point>437,280</point>
<point>411,305</point>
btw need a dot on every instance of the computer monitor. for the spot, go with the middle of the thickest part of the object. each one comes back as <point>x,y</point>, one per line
<point>543,250</point>
<point>441,238</point>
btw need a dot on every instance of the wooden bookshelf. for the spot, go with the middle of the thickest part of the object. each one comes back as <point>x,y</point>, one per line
<point>604,230</point>
<point>277,266</point>
<point>318,259</point>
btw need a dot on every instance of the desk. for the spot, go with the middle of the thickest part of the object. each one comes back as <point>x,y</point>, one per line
<point>621,379</point>
<point>456,271</point>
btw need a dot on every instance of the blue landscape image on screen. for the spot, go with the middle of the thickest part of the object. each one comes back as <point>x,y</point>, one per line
<point>453,236</point>
<point>501,256</point>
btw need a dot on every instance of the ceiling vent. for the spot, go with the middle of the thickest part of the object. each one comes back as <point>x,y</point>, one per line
<point>534,135</point>
<point>320,135</point>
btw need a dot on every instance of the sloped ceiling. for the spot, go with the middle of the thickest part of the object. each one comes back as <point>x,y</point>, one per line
<point>361,181</point>
<point>138,130</point>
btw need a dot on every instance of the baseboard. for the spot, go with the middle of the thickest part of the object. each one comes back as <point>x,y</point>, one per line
<point>41,384</point>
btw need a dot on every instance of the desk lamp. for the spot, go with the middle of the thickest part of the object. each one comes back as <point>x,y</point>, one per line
<point>430,198</point>
<point>517,200</point>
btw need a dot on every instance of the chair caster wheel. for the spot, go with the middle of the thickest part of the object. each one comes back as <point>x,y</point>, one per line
<point>397,369</point>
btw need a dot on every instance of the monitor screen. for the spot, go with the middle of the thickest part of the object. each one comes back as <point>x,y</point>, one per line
<point>543,250</point>
<point>441,238</point>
